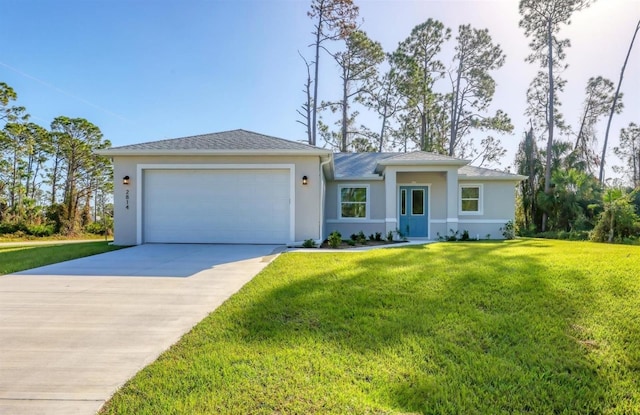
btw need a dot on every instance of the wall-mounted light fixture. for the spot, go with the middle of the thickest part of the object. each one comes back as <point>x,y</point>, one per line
<point>125,180</point>
<point>305,180</point>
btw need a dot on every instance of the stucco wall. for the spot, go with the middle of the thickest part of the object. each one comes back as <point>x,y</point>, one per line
<point>437,182</point>
<point>307,198</point>
<point>498,208</point>
<point>374,223</point>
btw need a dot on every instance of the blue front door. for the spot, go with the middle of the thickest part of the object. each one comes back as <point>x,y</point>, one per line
<point>414,218</point>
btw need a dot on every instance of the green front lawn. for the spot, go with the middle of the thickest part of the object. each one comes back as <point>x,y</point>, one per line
<point>20,258</point>
<point>525,326</point>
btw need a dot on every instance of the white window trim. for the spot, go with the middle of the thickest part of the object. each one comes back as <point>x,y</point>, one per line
<point>367,203</point>
<point>480,199</point>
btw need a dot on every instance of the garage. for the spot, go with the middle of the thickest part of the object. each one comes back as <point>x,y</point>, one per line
<point>216,206</point>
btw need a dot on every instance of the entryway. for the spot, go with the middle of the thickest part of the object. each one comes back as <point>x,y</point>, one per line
<point>413,209</point>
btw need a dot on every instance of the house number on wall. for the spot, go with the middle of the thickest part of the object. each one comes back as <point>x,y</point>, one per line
<point>126,197</point>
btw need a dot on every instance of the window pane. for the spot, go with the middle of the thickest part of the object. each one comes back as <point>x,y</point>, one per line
<point>469,205</point>
<point>470,192</point>
<point>354,194</point>
<point>403,202</point>
<point>417,202</point>
<point>354,210</point>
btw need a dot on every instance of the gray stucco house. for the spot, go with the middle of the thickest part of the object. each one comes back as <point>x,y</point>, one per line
<point>243,187</point>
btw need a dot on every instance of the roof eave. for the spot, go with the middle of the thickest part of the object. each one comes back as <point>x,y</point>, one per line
<point>359,178</point>
<point>511,178</point>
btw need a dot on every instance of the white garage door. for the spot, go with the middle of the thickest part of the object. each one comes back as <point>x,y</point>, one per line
<point>216,206</point>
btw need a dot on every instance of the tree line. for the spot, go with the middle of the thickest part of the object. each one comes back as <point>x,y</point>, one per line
<point>51,180</point>
<point>425,102</point>
<point>421,101</point>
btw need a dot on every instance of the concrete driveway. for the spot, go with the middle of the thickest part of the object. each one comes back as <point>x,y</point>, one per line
<point>72,333</point>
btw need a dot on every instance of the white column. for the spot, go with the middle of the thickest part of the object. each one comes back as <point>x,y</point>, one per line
<point>391,203</point>
<point>452,199</point>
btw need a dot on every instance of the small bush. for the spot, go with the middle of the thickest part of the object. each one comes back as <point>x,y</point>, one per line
<point>95,228</point>
<point>508,230</point>
<point>9,228</point>
<point>351,242</point>
<point>453,235</point>
<point>465,236</point>
<point>335,239</point>
<point>378,236</point>
<point>41,230</point>
<point>309,243</point>
<point>361,238</point>
<point>372,237</point>
<point>390,236</point>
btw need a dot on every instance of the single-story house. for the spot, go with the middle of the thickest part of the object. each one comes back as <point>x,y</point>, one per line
<point>243,187</point>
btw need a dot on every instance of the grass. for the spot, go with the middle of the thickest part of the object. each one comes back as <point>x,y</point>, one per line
<point>11,237</point>
<point>525,326</point>
<point>20,258</point>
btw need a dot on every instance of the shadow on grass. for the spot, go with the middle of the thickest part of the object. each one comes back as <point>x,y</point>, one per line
<point>457,328</point>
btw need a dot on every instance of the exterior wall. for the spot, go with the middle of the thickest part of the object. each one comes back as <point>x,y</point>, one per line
<point>498,207</point>
<point>440,219</point>
<point>375,222</point>
<point>307,199</point>
<point>437,182</point>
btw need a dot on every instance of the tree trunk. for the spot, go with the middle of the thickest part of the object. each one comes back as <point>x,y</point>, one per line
<point>345,109</point>
<point>315,81</point>
<point>550,122</point>
<point>455,113</point>
<point>584,119</point>
<point>613,105</point>
<point>382,131</point>
<point>423,132</point>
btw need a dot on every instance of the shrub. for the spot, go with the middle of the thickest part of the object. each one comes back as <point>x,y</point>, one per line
<point>378,236</point>
<point>95,228</point>
<point>309,243</point>
<point>453,235</point>
<point>617,222</point>
<point>508,230</point>
<point>41,230</point>
<point>390,236</point>
<point>351,242</point>
<point>372,237</point>
<point>335,239</point>
<point>465,235</point>
<point>361,238</point>
<point>7,228</point>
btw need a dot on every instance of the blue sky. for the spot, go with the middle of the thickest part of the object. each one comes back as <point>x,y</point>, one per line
<point>145,70</point>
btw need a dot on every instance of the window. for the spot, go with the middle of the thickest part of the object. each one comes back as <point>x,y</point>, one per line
<point>471,199</point>
<point>417,202</point>
<point>403,202</point>
<point>353,201</point>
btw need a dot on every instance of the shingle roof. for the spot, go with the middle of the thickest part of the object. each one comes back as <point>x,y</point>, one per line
<point>481,172</point>
<point>354,165</point>
<point>366,165</point>
<point>420,156</point>
<point>235,140</point>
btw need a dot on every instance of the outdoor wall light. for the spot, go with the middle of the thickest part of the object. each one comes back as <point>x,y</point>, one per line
<point>125,180</point>
<point>305,181</point>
